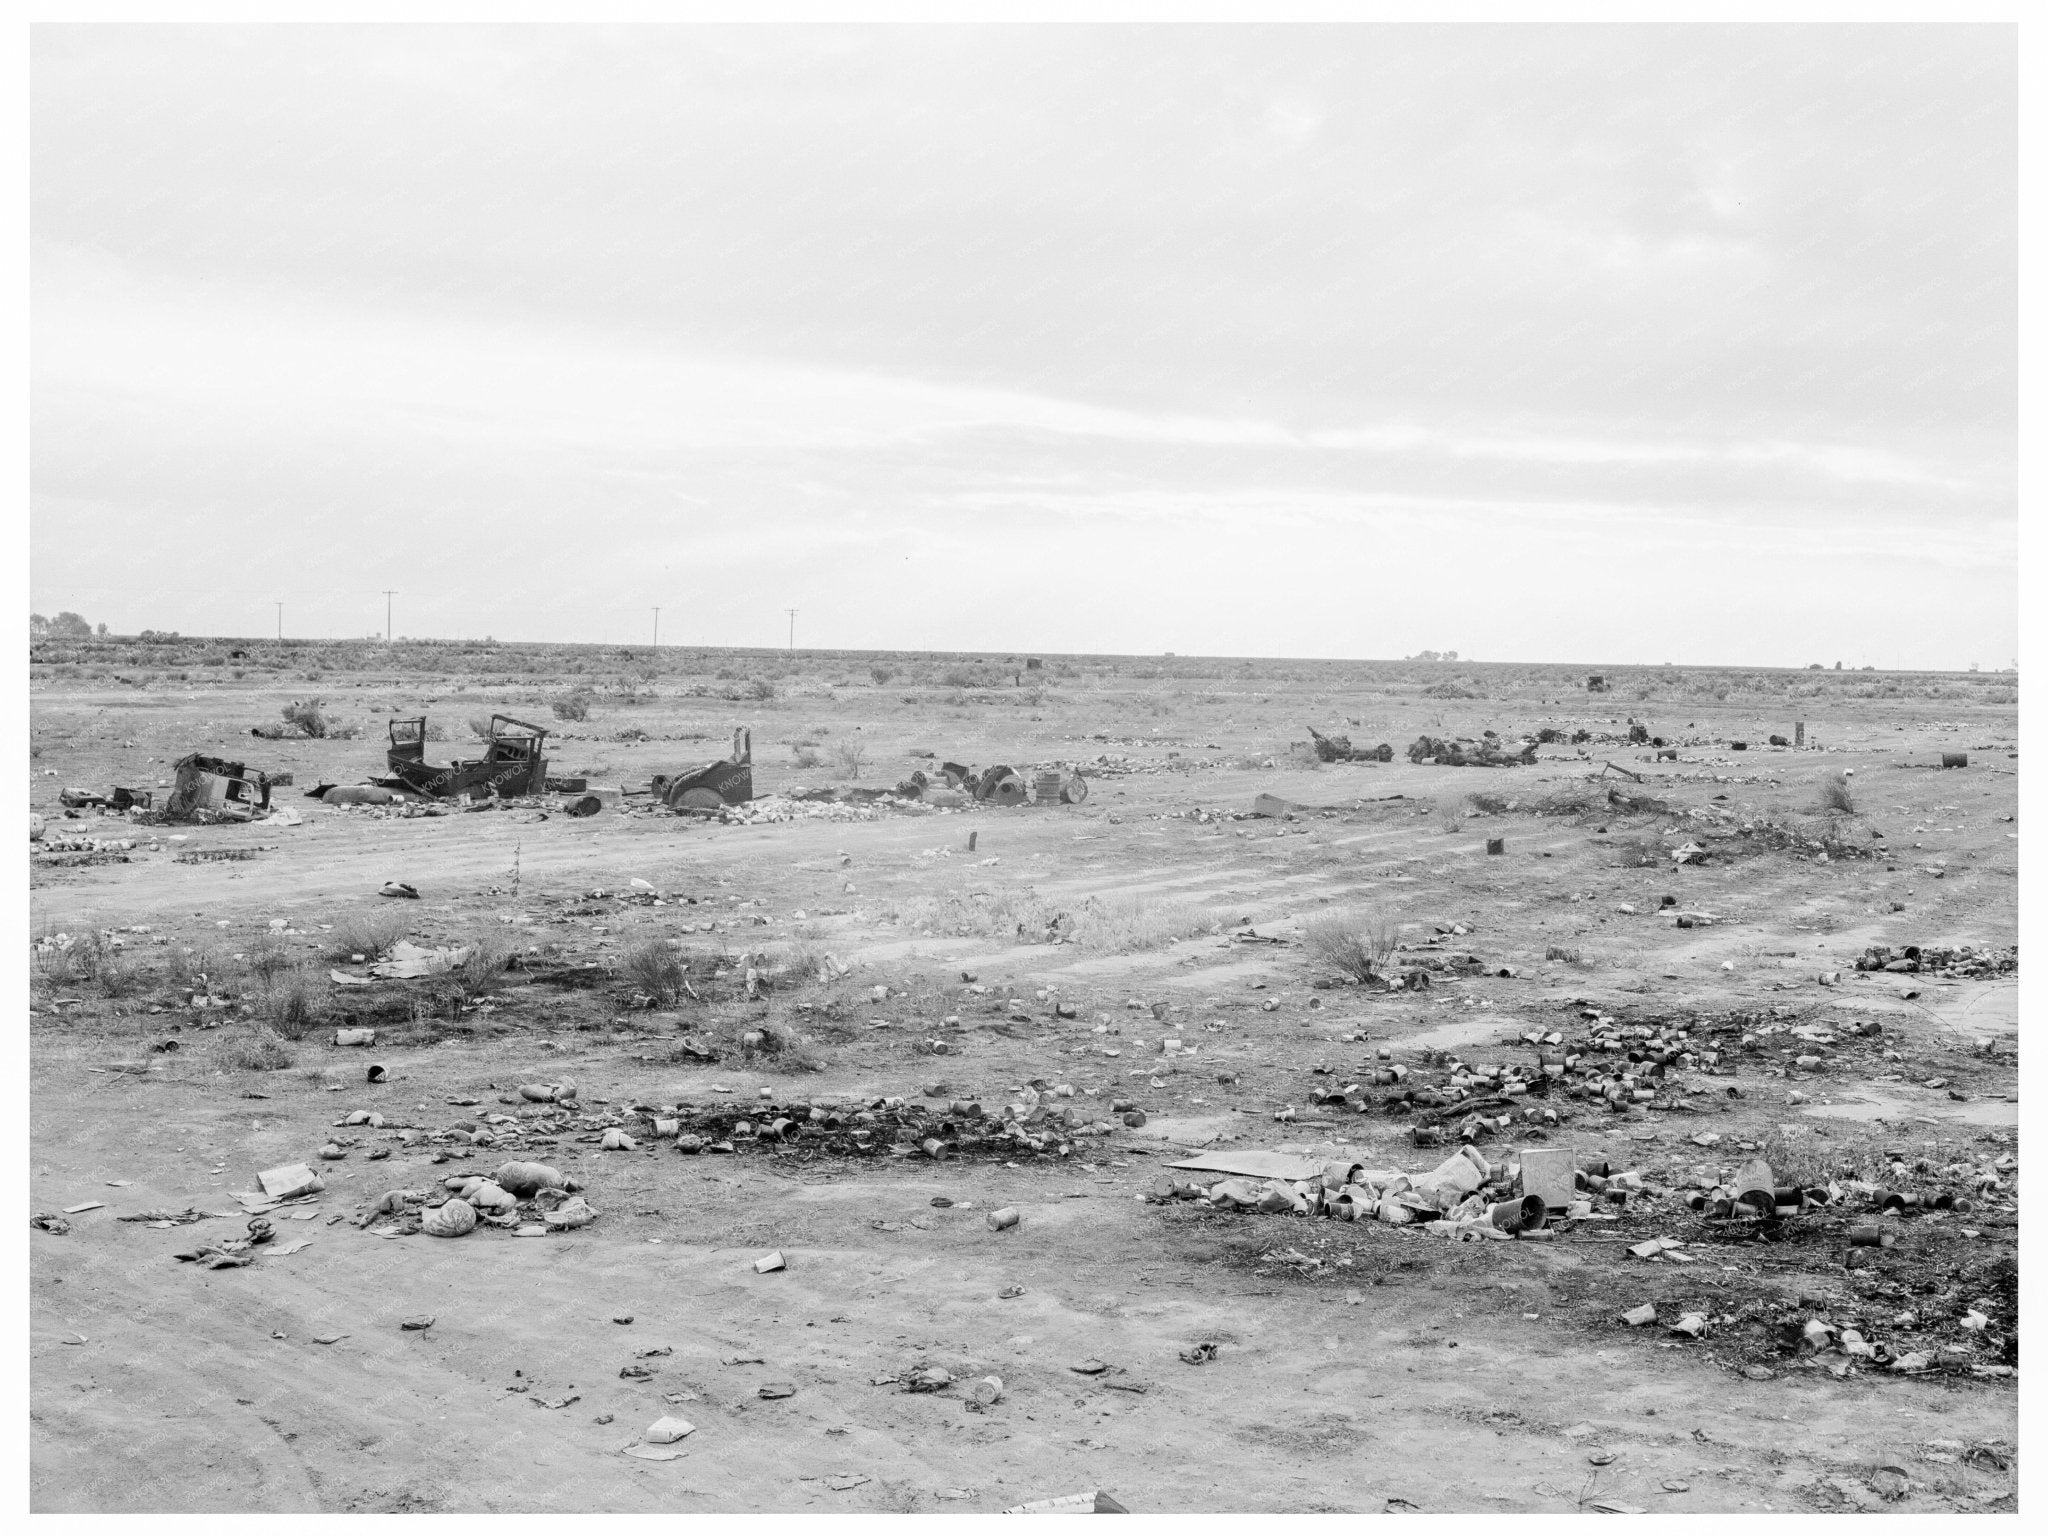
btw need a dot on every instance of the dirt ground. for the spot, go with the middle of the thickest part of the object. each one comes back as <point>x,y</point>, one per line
<point>1358,1367</point>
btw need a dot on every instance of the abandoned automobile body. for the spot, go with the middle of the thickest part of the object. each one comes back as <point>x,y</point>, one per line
<point>217,787</point>
<point>514,762</point>
<point>729,781</point>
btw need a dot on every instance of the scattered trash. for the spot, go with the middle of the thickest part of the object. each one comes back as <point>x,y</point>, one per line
<point>644,1452</point>
<point>290,1181</point>
<point>417,1324</point>
<point>768,1263</point>
<point>667,1429</point>
<point>409,962</point>
<point>1094,1501</point>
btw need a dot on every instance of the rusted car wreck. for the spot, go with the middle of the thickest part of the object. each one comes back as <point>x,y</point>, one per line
<point>214,789</point>
<point>729,781</point>
<point>514,762</point>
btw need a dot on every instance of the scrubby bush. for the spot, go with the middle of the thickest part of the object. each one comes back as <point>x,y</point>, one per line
<point>365,933</point>
<point>657,968</point>
<point>1352,944</point>
<point>881,675</point>
<point>295,1004</point>
<point>574,705</point>
<point>1835,795</point>
<point>257,1049</point>
<point>308,715</point>
<point>851,754</point>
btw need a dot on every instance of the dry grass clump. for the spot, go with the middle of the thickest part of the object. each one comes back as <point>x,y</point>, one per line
<point>850,755</point>
<point>1353,944</point>
<point>1126,925</point>
<point>489,953</point>
<point>656,967</point>
<point>84,959</point>
<point>295,1003</point>
<point>1835,795</point>
<point>256,1049</point>
<point>365,933</point>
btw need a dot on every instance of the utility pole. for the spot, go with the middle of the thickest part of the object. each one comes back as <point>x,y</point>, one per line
<point>280,622</point>
<point>389,593</point>
<point>657,629</point>
<point>792,629</point>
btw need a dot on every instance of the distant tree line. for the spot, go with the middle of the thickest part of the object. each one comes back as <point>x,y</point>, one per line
<point>66,626</point>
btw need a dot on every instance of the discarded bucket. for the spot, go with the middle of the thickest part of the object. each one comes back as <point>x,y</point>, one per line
<point>1004,1219</point>
<point>1870,1236</point>
<point>1955,759</point>
<point>988,1391</point>
<point>1526,1212</point>
<point>1496,845</point>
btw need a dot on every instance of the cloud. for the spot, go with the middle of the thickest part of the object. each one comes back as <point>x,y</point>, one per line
<point>754,295</point>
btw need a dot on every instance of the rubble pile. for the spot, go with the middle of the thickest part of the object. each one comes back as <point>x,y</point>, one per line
<point>1463,752</point>
<point>1893,1234</point>
<point>1615,1066</point>
<point>1122,764</point>
<point>1040,1121</point>
<point>1464,1198</point>
<point>1963,962</point>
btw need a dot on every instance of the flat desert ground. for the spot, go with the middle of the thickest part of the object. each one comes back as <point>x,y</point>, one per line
<point>184,1017</point>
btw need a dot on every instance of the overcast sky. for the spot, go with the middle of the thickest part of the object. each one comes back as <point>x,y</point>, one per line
<point>1579,344</point>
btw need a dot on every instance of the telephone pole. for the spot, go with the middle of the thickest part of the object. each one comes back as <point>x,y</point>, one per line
<point>792,628</point>
<point>280,621</point>
<point>657,629</point>
<point>389,593</point>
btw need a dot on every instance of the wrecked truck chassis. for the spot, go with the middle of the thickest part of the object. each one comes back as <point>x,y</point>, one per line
<point>514,763</point>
